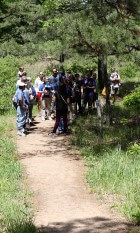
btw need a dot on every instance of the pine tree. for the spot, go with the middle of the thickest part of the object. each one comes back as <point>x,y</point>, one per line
<point>100,28</point>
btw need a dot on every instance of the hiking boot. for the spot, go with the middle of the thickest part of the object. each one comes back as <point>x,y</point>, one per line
<point>49,118</point>
<point>52,134</point>
<point>21,133</point>
<point>32,124</point>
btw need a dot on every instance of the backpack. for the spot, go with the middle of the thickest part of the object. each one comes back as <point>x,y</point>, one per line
<point>14,100</point>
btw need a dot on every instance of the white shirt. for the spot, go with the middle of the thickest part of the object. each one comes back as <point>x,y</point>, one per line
<point>115,79</point>
<point>38,82</point>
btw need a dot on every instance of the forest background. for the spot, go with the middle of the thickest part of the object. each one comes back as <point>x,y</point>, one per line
<point>96,35</point>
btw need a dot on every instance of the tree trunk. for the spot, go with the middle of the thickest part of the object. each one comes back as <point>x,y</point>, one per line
<point>104,82</point>
<point>102,70</point>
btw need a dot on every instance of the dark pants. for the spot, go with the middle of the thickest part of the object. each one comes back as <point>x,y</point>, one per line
<point>60,114</point>
<point>88,99</point>
<point>78,104</point>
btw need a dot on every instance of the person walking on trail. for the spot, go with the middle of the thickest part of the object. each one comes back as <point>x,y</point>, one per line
<point>22,109</point>
<point>61,100</point>
<point>70,91</point>
<point>31,96</point>
<point>55,79</point>
<point>77,94</point>
<point>21,73</point>
<point>46,90</point>
<point>95,96</point>
<point>38,82</point>
<point>89,86</point>
<point>114,84</point>
<point>55,82</point>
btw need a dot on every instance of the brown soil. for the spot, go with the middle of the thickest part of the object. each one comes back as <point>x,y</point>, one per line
<point>62,199</point>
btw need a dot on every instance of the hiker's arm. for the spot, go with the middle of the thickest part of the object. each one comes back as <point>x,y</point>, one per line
<point>68,100</point>
<point>54,98</point>
<point>22,105</point>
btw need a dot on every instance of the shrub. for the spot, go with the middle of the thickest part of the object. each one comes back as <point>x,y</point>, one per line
<point>133,100</point>
<point>8,67</point>
<point>129,71</point>
<point>15,207</point>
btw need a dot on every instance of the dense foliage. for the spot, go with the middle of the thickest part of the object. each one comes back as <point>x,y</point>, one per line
<point>86,32</point>
<point>8,77</point>
<point>15,212</point>
<point>133,100</point>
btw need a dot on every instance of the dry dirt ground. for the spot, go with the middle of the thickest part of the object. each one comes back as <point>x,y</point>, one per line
<point>61,198</point>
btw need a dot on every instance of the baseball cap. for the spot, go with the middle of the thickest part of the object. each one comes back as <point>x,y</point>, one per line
<point>29,79</point>
<point>21,84</point>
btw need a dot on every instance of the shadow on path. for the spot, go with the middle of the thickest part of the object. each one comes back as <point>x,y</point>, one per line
<point>89,225</point>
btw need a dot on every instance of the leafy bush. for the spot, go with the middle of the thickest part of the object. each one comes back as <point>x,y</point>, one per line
<point>8,77</point>
<point>134,150</point>
<point>129,71</point>
<point>15,211</point>
<point>133,100</point>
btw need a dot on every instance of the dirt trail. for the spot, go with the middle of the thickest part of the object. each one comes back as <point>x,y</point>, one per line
<point>62,200</point>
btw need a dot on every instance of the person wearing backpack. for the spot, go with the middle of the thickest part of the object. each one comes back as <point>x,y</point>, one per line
<point>22,109</point>
<point>89,86</point>
<point>46,90</point>
<point>77,94</point>
<point>30,95</point>
<point>61,100</point>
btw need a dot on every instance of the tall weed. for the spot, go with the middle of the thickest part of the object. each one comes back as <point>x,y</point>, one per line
<point>114,166</point>
<point>15,209</point>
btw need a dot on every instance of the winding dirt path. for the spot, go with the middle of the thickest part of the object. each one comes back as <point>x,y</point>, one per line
<point>62,200</point>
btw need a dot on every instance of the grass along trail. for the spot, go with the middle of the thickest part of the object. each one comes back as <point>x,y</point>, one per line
<point>62,200</point>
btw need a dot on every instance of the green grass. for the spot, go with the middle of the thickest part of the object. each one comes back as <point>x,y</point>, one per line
<point>114,165</point>
<point>15,209</point>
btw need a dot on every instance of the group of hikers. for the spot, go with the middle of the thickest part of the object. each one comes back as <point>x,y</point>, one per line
<point>60,97</point>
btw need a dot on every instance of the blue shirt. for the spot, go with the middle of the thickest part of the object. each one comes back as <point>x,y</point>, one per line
<point>43,85</point>
<point>33,91</point>
<point>55,81</point>
<point>89,85</point>
<point>26,96</point>
<point>49,87</point>
<point>20,96</point>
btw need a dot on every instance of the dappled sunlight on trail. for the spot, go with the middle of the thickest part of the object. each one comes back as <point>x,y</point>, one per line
<point>62,201</point>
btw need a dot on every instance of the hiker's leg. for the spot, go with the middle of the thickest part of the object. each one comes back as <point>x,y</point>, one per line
<point>60,126</point>
<point>21,118</point>
<point>90,102</point>
<point>79,105</point>
<point>30,112</point>
<point>43,108</point>
<point>48,101</point>
<point>58,115</point>
<point>75,107</point>
<point>65,121</point>
<point>85,101</point>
